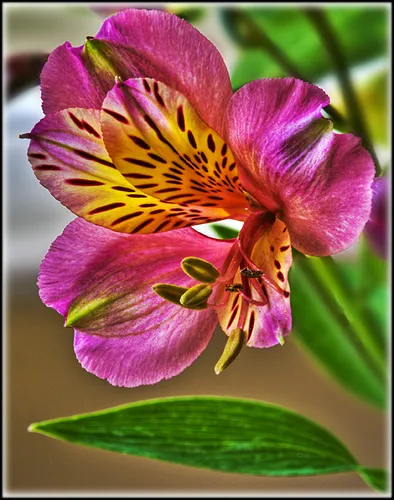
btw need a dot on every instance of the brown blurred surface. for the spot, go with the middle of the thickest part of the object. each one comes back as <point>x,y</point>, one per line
<point>44,380</point>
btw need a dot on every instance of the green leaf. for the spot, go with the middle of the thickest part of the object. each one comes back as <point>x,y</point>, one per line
<point>226,434</point>
<point>376,478</point>
<point>328,334</point>
<point>224,232</point>
<point>362,34</point>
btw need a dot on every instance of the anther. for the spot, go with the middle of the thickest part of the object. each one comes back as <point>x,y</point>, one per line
<point>234,344</point>
<point>251,273</point>
<point>235,287</point>
<point>196,297</point>
<point>200,269</point>
<point>172,293</point>
<point>266,279</point>
<point>118,80</point>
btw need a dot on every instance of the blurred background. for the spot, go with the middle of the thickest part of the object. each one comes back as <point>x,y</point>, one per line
<point>43,379</point>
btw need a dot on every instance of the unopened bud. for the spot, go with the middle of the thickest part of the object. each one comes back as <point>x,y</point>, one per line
<point>200,269</point>
<point>196,297</point>
<point>172,293</point>
<point>235,342</point>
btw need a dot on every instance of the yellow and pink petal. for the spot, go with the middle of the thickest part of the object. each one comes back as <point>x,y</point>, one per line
<point>161,145</point>
<point>70,159</point>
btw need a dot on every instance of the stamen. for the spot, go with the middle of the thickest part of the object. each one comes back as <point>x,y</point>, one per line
<point>200,269</point>
<point>215,306</point>
<point>234,287</point>
<point>235,342</point>
<point>253,301</point>
<point>172,293</point>
<point>260,291</point>
<point>244,304</point>
<point>231,264</point>
<point>250,263</point>
<point>196,297</point>
<point>251,273</point>
<point>219,291</point>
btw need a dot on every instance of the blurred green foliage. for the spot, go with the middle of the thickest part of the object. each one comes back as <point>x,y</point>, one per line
<point>340,307</point>
<point>189,13</point>
<point>325,326</point>
<point>362,33</point>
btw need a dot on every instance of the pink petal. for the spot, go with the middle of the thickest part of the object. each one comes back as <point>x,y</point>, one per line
<point>290,160</point>
<point>376,229</point>
<point>88,264</point>
<point>137,337</point>
<point>67,83</point>
<point>146,359</point>
<point>136,43</point>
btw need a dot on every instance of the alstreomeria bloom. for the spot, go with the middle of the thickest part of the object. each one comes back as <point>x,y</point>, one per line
<point>143,138</point>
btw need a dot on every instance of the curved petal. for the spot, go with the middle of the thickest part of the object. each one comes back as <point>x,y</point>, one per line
<point>69,158</point>
<point>376,228</point>
<point>102,280</point>
<point>265,246</point>
<point>139,43</point>
<point>272,254</point>
<point>161,145</point>
<point>291,161</point>
<point>67,83</point>
<point>148,358</point>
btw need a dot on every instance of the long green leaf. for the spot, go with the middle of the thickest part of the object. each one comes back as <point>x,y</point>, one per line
<point>376,478</point>
<point>226,434</point>
<point>323,328</point>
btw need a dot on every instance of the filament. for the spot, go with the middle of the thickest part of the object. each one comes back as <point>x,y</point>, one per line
<point>250,263</point>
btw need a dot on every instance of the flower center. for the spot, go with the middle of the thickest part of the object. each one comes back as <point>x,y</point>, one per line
<point>240,286</point>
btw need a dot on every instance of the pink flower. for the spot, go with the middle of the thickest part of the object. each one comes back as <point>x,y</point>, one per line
<point>170,146</point>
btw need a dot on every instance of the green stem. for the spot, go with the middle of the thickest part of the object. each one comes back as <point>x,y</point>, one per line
<point>327,272</point>
<point>248,33</point>
<point>354,111</point>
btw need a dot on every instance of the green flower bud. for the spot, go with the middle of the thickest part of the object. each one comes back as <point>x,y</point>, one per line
<point>200,270</point>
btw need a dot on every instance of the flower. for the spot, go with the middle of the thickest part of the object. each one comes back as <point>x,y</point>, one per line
<point>376,227</point>
<point>143,138</point>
